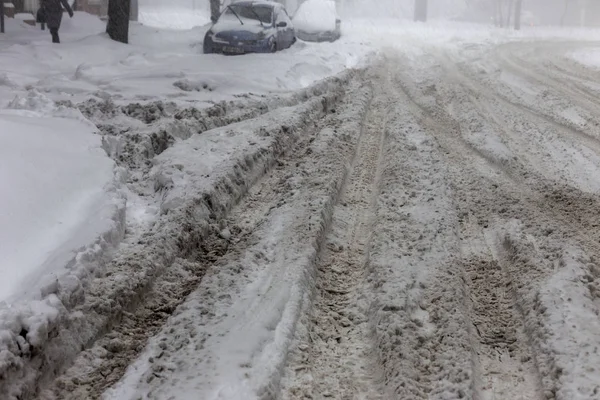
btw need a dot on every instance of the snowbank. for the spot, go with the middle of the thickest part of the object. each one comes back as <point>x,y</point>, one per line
<point>63,211</point>
<point>54,180</point>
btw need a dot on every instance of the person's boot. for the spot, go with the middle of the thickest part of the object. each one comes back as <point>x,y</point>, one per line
<point>55,38</point>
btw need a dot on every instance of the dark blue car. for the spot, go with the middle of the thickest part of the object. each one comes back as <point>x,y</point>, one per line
<point>250,27</point>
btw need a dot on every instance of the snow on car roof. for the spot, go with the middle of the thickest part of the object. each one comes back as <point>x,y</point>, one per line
<point>316,16</point>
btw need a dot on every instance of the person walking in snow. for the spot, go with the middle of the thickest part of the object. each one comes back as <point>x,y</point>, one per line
<point>53,12</point>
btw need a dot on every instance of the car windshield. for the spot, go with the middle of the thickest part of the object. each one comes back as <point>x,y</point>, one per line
<point>263,14</point>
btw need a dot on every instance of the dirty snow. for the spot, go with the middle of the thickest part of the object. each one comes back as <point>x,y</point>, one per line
<point>242,341</point>
<point>420,227</point>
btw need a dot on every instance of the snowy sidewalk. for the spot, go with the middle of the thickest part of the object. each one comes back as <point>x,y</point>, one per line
<point>157,64</point>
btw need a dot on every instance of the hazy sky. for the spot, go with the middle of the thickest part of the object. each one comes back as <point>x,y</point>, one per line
<point>549,12</point>
<point>389,8</point>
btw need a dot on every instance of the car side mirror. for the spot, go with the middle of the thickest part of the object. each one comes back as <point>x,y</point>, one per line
<point>282,24</point>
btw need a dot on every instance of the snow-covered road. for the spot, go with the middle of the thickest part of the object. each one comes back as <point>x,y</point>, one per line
<point>432,234</point>
<point>423,227</point>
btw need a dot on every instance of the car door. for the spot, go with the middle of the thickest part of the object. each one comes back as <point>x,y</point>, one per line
<point>290,33</point>
<point>281,40</point>
<point>284,33</point>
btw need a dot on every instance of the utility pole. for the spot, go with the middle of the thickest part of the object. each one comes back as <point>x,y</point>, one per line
<point>518,8</point>
<point>509,12</point>
<point>1,16</point>
<point>421,10</point>
<point>564,14</point>
<point>134,10</point>
<point>582,12</point>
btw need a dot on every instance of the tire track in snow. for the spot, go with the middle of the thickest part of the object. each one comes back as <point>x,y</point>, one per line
<point>503,362</point>
<point>334,358</point>
<point>100,292</point>
<point>510,60</point>
<point>588,134</point>
<point>572,208</point>
<point>534,143</point>
<point>418,312</point>
<point>229,338</point>
<point>442,298</point>
<point>550,220</point>
<point>104,362</point>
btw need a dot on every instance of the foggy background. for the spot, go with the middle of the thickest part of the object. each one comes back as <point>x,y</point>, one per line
<point>535,12</point>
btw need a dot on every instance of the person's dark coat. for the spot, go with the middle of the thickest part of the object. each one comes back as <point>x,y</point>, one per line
<point>53,12</point>
<point>40,18</point>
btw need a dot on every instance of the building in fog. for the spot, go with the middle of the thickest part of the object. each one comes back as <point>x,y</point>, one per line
<point>565,12</point>
<point>96,7</point>
<point>535,12</point>
<point>542,12</point>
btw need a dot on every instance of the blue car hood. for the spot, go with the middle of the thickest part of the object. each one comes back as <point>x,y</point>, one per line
<point>237,35</point>
<point>235,31</point>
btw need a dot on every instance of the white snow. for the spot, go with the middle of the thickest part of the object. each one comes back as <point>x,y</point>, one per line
<point>63,211</point>
<point>587,56</point>
<point>154,64</point>
<point>24,17</point>
<point>54,177</point>
<point>315,16</point>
